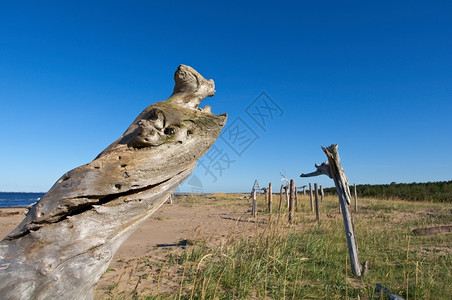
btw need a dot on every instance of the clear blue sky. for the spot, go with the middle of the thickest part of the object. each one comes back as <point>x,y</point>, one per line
<point>374,77</point>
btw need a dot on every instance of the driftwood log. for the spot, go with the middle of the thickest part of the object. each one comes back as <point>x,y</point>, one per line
<point>333,169</point>
<point>384,291</point>
<point>67,239</point>
<point>433,230</point>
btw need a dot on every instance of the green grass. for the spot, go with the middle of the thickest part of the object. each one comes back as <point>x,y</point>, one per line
<point>305,260</point>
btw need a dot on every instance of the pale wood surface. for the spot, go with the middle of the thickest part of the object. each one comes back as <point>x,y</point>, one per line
<point>333,169</point>
<point>67,240</point>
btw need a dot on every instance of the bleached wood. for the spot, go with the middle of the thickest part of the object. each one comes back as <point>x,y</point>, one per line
<point>67,239</point>
<point>254,205</point>
<point>286,191</point>
<point>343,191</point>
<point>334,170</point>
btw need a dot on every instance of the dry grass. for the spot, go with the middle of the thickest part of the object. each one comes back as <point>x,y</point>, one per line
<point>275,260</point>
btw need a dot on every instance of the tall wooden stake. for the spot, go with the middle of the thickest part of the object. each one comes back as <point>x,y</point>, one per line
<point>286,190</point>
<point>343,191</point>
<point>317,213</point>
<point>270,192</point>
<point>356,199</point>
<point>322,195</point>
<point>280,198</point>
<point>296,199</point>
<point>333,169</point>
<point>310,195</point>
<point>254,207</point>
<point>291,200</point>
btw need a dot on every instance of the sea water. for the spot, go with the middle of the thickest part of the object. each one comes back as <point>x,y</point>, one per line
<point>18,199</point>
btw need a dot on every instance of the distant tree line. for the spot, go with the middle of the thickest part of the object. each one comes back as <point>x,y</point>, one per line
<point>431,191</point>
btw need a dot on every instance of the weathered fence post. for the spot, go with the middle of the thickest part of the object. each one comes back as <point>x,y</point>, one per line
<point>265,189</point>
<point>280,198</point>
<point>356,199</point>
<point>333,169</point>
<point>296,199</point>
<point>310,196</point>
<point>291,200</point>
<point>322,195</point>
<point>317,213</point>
<point>286,190</point>
<point>270,191</point>
<point>254,206</point>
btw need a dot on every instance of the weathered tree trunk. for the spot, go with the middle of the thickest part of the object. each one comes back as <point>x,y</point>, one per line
<point>333,169</point>
<point>67,240</point>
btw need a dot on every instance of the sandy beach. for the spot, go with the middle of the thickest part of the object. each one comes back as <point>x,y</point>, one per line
<point>9,219</point>
<point>165,231</point>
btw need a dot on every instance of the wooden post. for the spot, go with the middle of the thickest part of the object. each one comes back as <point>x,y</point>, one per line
<point>322,195</point>
<point>310,195</point>
<point>296,199</point>
<point>270,191</point>
<point>286,190</point>
<point>254,206</point>
<point>356,199</point>
<point>280,198</point>
<point>343,191</point>
<point>317,213</point>
<point>292,200</point>
<point>333,169</point>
